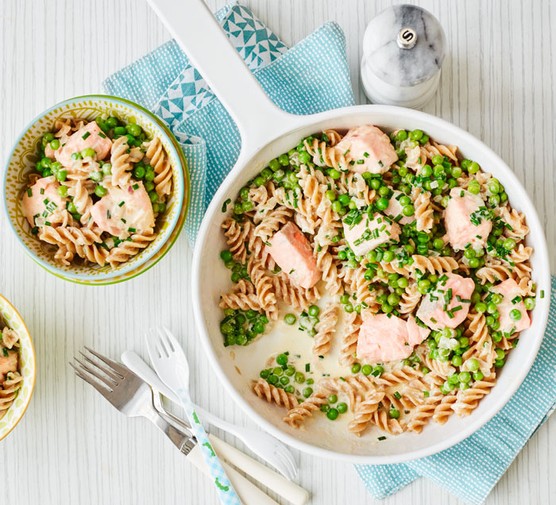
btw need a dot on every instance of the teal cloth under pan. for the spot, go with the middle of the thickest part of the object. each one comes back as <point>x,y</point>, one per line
<point>299,80</point>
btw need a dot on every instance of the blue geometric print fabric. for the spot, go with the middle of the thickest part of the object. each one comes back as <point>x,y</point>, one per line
<point>298,80</point>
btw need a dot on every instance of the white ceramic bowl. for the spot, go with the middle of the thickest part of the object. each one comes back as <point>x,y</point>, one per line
<point>211,280</point>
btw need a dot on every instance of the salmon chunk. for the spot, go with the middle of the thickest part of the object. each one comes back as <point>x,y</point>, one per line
<point>369,149</point>
<point>370,232</point>
<point>42,203</point>
<point>8,363</point>
<point>124,211</point>
<point>448,305</point>
<point>466,220</point>
<point>388,338</point>
<point>89,135</point>
<point>513,300</point>
<point>292,252</point>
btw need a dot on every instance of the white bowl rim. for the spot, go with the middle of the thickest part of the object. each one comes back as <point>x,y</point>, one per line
<point>475,422</point>
<point>124,273</point>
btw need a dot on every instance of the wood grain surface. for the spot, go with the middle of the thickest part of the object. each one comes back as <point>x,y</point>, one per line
<point>498,82</point>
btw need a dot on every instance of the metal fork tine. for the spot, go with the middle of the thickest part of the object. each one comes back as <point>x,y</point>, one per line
<point>122,371</point>
<point>110,373</point>
<point>96,375</point>
<point>89,379</point>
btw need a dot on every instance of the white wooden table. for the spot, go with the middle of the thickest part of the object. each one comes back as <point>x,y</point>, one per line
<point>72,447</point>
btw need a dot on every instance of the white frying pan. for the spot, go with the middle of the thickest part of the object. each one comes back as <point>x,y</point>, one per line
<point>266,132</point>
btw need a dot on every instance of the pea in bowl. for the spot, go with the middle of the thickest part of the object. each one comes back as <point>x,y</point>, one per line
<point>15,396</point>
<point>96,189</point>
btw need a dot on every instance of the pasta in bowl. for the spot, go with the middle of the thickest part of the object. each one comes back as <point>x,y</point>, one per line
<point>97,189</point>
<point>17,367</point>
<point>379,282</point>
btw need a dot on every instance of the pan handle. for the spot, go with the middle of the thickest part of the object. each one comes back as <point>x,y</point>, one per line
<point>196,30</point>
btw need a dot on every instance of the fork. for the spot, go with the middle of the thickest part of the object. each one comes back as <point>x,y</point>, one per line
<point>134,398</point>
<point>264,445</point>
<point>170,364</point>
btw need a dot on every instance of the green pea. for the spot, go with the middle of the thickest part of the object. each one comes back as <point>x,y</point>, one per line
<point>366,369</point>
<point>289,389</point>
<point>299,377</point>
<point>331,195</point>
<point>388,256</point>
<point>499,363</point>
<point>149,186</point>
<point>474,187</point>
<point>401,135</point>
<point>55,144</point>
<point>493,186</point>
<point>494,200</point>
<point>469,253</point>
<point>48,137</point>
<point>274,165</point>
<point>384,191</point>
<point>284,380</point>
<point>439,171</point>
<point>76,156</point>
<point>134,129</point>
<point>304,157</point>
<point>457,172</point>
<point>139,172</point>
<point>408,210</point>
<point>332,399</point>
<point>112,122</point>
<point>273,379</point>
<point>416,135</point>
<point>474,263</point>
<point>393,299</point>
<point>282,359</point>
<point>226,255</point>
<point>290,319</point>
<point>529,303</point>
<point>509,244</point>
<point>325,408</point>
<point>478,376</point>
<point>332,414</point>
<point>344,200</point>
<point>515,314</point>
<point>263,374</point>
<point>355,368</point>
<point>403,282</point>
<point>375,184</point>
<point>423,285</point>
<point>96,176</point>
<point>314,310</point>
<point>100,191</point>
<point>89,152</point>
<point>348,307</point>
<point>457,361</point>
<point>278,371</point>
<point>153,196</point>
<point>337,206</point>
<point>289,371</point>
<point>307,392</point>
<point>149,174</point>
<point>382,203</point>
<point>394,413</point>
<point>284,160</point>
<point>342,407</point>
<point>426,171</point>
<point>63,191</point>
<point>62,175</point>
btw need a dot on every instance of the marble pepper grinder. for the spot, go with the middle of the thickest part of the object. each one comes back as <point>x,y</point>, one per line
<point>403,50</point>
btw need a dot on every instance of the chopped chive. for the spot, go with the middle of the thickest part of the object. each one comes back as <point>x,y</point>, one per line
<point>29,192</point>
<point>86,135</point>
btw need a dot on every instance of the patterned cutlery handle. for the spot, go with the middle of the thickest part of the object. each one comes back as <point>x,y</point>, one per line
<point>226,491</point>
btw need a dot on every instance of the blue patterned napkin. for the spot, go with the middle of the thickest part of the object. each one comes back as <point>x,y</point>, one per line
<point>299,81</point>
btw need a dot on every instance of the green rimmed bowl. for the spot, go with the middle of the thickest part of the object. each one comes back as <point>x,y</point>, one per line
<point>13,320</point>
<point>24,156</point>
